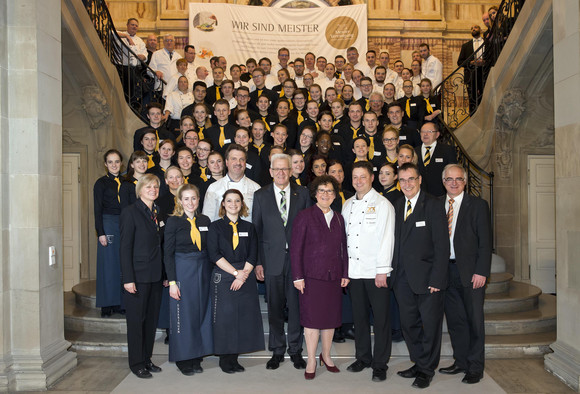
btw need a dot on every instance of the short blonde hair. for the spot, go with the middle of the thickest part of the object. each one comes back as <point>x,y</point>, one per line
<point>144,181</point>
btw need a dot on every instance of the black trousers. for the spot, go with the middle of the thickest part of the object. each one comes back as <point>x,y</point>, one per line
<point>421,322</point>
<point>364,296</point>
<point>281,293</point>
<point>142,313</point>
<point>465,321</point>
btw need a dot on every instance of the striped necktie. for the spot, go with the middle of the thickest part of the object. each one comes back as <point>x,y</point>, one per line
<point>427,159</point>
<point>235,237</point>
<point>283,207</point>
<point>409,209</point>
<point>450,216</point>
<point>195,234</point>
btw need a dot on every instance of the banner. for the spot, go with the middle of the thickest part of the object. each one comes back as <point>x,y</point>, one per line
<point>239,32</point>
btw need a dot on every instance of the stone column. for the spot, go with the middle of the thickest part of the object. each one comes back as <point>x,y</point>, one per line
<point>34,352</point>
<point>565,361</point>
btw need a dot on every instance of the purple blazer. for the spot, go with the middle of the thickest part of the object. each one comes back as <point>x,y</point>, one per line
<point>316,251</point>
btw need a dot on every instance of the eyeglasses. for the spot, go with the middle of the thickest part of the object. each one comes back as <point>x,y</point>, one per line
<point>456,180</point>
<point>280,169</point>
<point>390,139</point>
<point>325,191</point>
<point>409,180</point>
<point>428,131</point>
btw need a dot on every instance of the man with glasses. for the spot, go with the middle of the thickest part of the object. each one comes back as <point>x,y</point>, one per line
<point>283,59</point>
<point>274,209</point>
<point>366,88</point>
<point>163,61</point>
<point>433,157</point>
<point>419,276</point>
<point>243,99</point>
<point>469,267</point>
<point>259,79</point>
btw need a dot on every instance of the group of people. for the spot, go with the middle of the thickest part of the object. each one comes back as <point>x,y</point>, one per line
<point>323,199</point>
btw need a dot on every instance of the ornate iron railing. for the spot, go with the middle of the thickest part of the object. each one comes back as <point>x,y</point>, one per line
<point>140,83</point>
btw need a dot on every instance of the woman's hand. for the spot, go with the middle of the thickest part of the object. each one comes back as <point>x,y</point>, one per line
<point>103,240</point>
<point>237,284</point>
<point>344,282</point>
<point>130,287</point>
<point>174,292</point>
<point>300,285</point>
<point>243,275</point>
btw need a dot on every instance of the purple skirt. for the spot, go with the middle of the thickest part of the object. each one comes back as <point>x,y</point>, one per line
<point>321,304</point>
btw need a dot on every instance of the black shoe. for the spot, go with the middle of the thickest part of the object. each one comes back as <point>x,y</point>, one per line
<point>152,367</point>
<point>228,369</point>
<point>379,374</point>
<point>452,370</point>
<point>143,374</point>
<point>397,336</point>
<point>166,340</point>
<point>349,334</point>
<point>196,367</point>
<point>357,366</point>
<point>298,361</point>
<point>422,381</point>
<point>408,373</point>
<point>106,312</point>
<point>274,362</point>
<point>472,378</point>
<point>187,371</point>
<point>338,337</point>
<point>238,368</point>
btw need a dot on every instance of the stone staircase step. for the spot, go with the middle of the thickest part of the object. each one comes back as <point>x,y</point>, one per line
<point>520,297</point>
<point>539,320</point>
<point>519,346</point>
<point>85,293</point>
<point>499,283</point>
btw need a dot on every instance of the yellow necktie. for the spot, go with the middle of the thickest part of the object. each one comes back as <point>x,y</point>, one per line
<point>217,93</point>
<point>368,106</point>
<point>317,127</point>
<point>372,148</point>
<point>354,132</point>
<point>342,197</point>
<point>291,105</point>
<point>259,148</point>
<point>282,92</point>
<point>186,179</point>
<point>408,108</point>
<point>335,122</point>
<point>428,106</point>
<point>235,237</point>
<point>150,162</point>
<point>157,143</point>
<point>299,118</point>
<point>200,133</point>
<point>427,159</point>
<point>195,234</point>
<point>298,181</point>
<point>222,137</point>
<point>259,92</point>
<point>409,209</point>
<point>267,125</point>
<point>118,188</point>
<point>203,176</point>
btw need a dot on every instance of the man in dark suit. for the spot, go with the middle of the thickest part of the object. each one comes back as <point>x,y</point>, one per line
<point>419,276</point>
<point>274,209</point>
<point>469,267</point>
<point>473,70</point>
<point>433,156</point>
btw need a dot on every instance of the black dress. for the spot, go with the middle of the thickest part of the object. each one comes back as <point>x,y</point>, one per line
<point>237,320</point>
<point>190,333</point>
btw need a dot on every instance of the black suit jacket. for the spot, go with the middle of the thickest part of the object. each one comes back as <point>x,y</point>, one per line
<point>431,174</point>
<point>140,246</point>
<point>464,54</point>
<point>272,234</point>
<point>472,239</point>
<point>421,244</point>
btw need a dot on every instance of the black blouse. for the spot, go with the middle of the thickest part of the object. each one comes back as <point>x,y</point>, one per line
<point>178,240</point>
<point>219,242</point>
<point>106,200</point>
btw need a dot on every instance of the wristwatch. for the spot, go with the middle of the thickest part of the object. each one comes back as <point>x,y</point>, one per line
<point>236,273</point>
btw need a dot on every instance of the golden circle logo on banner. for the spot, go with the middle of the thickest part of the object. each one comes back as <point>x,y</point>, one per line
<point>341,32</point>
<point>205,21</point>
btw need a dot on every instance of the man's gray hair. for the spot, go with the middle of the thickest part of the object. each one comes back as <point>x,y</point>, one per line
<point>281,156</point>
<point>449,166</point>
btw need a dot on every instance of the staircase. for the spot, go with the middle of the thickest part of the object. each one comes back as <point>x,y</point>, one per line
<point>520,321</point>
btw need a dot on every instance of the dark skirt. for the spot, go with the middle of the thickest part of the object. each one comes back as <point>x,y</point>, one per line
<point>321,304</point>
<point>190,334</point>
<point>237,320</point>
<point>109,289</point>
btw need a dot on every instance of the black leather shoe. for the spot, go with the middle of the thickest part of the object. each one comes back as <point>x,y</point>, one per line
<point>187,371</point>
<point>152,367</point>
<point>274,362</point>
<point>166,340</point>
<point>349,334</point>
<point>452,370</point>
<point>408,373</point>
<point>472,378</point>
<point>379,374</point>
<point>338,337</point>
<point>196,367</point>
<point>143,374</point>
<point>357,366</point>
<point>422,381</point>
<point>228,369</point>
<point>238,368</point>
<point>298,361</point>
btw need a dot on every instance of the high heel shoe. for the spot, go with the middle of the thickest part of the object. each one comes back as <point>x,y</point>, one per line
<point>310,375</point>
<point>328,367</point>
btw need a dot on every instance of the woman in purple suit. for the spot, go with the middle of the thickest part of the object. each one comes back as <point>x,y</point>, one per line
<point>320,270</point>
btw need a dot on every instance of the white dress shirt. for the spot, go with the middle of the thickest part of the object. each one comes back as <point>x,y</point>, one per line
<point>413,202</point>
<point>215,193</point>
<point>370,234</point>
<point>424,150</point>
<point>433,69</point>
<point>456,205</point>
<point>128,59</point>
<point>477,42</point>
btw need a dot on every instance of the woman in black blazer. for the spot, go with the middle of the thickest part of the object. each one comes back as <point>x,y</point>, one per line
<point>141,272</point>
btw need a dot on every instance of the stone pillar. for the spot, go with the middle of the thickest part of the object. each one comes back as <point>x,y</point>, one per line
<point>565,361</point>
<point>34,352</point>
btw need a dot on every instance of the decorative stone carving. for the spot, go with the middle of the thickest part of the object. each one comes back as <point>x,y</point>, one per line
<point>544,140</point>
<point>507,119</point>
<point>67,138</point>
<point>95,105</point>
